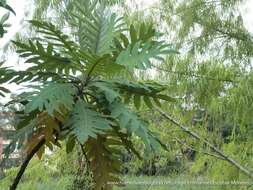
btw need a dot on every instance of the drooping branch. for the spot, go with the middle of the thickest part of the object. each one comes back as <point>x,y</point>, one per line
<point>198,76</point>
<point>202,152</point>
<point>25,164</point>
<point>206,142</point>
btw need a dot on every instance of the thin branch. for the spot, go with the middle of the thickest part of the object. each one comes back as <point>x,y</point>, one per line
<point>25,164</point>
<point>194,75</point>
<point>206,142</point>
<point>203,152</point>
<point>235,35</point>
<point>92,68</point>
<point>85,155</point>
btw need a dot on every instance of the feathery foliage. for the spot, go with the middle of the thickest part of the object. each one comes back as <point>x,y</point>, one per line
<point>5,17</point>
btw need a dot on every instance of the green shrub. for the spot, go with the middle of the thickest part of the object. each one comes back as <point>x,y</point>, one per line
<point>56,173</point>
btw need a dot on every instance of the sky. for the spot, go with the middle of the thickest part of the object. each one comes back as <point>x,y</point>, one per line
<point>247,10</point>
<point>21,5</point>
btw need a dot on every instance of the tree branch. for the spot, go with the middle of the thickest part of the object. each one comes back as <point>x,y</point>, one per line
<point>85,155</point>
<point>192,74</point>
<point>203,152</point>
<point>214,148</point>
<point>25,164</point>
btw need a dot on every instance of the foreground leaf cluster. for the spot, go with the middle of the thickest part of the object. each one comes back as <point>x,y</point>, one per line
<point>80,96</point>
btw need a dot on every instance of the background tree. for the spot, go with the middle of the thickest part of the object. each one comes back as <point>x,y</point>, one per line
<point>210,77</point>
<point>214,69</point>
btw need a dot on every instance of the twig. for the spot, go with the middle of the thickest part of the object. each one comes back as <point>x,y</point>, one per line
<point>192,74</point>
<point>85,155</point>
<point>214,148</point>
<point>203,152</point>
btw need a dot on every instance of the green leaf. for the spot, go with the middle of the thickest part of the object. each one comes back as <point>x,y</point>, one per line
<point>98,27</point>
<point>3,24</point>
<point>4,89</point>
<point>126,117</point>
<point>165,97</point>
<point>4,18</point>
<point>137,101</point>
<point>45,59</point>
<point>103,66</point>
<point>141,48</point>
<point>51,32</point>
<point>127,98</point>
<point>70,144</point>
<point>51,98</point>
<point>134,87</point>
<point>145,89</point>
<point>85,122</point>
<point>146,32</point>
<point>129,120</point>
<point>133,34</point>
<point>63,43</point>
<point>107,90</point>
<point>157,102</point>
<point>140,55</point>
<point>148,102</point>
<point>7,7</point>
<point>125,40</point>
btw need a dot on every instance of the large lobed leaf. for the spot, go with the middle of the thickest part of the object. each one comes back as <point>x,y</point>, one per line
<point>97,27</point>
<point>129,120</point>
<point>45,58</point>
<point>52,98</point>
<point>148,91</point>
<point>139,56</point>
<point>142,47</point>
<point>85,122</point>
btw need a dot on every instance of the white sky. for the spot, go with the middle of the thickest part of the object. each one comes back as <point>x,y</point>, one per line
<point>248,11</point>
<point>21,5</point>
